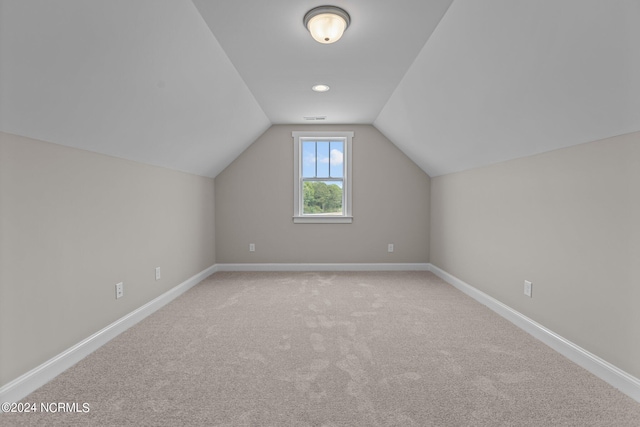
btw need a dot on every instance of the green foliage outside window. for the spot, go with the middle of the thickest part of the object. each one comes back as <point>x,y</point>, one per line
<point>320,197</point>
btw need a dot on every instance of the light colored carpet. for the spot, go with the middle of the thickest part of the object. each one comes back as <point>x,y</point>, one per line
<point>329,349</point>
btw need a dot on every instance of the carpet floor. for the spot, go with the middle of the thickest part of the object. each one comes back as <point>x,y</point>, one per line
<point>328,349</point>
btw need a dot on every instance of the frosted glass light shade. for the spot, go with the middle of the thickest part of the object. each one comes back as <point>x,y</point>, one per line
<point>326,23</point>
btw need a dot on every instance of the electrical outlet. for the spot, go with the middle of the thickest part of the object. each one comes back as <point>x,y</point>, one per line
<point>390,247</point>
<point>119,290</point>
<point>252,247</point>
<point>158,275</point>
<point>528,288</point>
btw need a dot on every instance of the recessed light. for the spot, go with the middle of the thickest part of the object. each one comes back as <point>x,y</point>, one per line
<point>320,88</point>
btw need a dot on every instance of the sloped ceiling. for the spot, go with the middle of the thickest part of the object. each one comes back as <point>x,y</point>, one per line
<point>501,79</point>
<point>143,80</point>
<point>189,85</point>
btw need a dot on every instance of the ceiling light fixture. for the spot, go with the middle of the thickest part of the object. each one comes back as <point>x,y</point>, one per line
<point>320,88</point>
<point>326,23</point>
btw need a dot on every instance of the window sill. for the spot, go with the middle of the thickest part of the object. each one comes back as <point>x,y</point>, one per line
<point>322,219</point>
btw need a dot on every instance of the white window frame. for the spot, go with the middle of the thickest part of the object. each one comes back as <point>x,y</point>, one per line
<point>298,212</point>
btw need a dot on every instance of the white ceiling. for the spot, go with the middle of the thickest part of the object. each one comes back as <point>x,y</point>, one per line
<point>189,85</point>
<point>279,61</point>
<point>139,79</point>
<point>501,79</point>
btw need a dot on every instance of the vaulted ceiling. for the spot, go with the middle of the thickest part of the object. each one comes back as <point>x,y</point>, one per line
<point>189,85</point>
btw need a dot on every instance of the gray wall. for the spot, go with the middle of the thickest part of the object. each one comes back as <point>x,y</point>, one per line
<point>254,204</point>
<point>72,225</point>
<point>569,221</point>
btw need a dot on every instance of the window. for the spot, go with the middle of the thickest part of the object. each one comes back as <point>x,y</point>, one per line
<point>322,187</point>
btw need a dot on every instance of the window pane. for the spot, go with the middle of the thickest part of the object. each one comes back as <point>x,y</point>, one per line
<point>322,197</point>
<point>308,159</point>
<point>322,159</point>
<point>336,159</point>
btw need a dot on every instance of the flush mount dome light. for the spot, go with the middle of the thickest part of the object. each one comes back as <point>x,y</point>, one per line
<point>326,23</point>
<point>320,88</point>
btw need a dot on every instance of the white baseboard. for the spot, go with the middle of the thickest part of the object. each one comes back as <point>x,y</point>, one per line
<point>325,267</point>
<point>604,370</point>
<point>39,376</point>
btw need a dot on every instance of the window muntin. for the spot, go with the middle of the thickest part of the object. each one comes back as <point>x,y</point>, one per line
<point>322,187</point>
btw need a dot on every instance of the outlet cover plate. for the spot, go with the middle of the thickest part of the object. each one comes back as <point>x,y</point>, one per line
<point>119,290</point>
<point>528,288</point>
